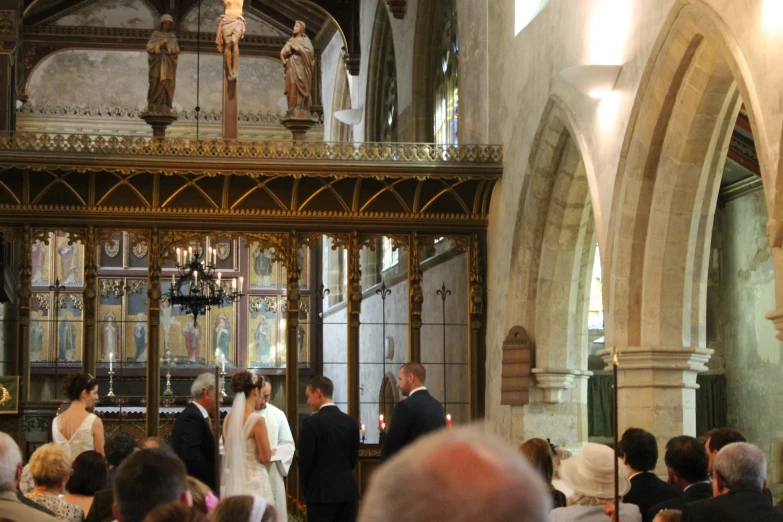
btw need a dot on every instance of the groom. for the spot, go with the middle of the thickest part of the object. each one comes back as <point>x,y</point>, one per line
<point>279,435</point>
<point>191,437</point>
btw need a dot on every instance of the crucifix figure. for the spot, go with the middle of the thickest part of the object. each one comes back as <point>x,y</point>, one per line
<point>231,28</point>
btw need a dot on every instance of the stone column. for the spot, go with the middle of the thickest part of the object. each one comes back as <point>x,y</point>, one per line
<point>90,299</point>
<point>24,303</point>
<point>155,260</point>
<point>415,300</point>
<point>657,389</point>
<point>354,311</point>
<point>775,237</point>
<point>475,326</point>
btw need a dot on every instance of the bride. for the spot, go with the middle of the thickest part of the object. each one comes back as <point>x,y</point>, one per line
<point>246,441</point>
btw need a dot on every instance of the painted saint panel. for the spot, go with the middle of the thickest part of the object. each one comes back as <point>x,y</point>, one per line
<point>69,328</point>
<point>136,322</point>
<point>40,329</point>
<point>69,261</point>
<point>264,273</point>
<point>42,262</point>
<point>264,345</point>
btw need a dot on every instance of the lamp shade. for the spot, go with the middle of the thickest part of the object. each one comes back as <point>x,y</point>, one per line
<point>349,116</point>
<point>594,80</point>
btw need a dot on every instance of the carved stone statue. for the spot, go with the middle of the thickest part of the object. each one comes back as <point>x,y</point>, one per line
<point>298,58</point>
<point>231,28</point>
<point>163,51</point>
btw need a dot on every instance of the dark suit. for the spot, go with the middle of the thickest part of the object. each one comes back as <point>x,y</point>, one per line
<point>698,491</point>
<point>417,415</point>
<point>738,505</point>
<point>193,441</point>
<point>101,511</point>
<point>328,452</point>
<point>648,490</point>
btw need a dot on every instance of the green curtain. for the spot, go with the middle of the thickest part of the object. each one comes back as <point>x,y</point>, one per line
<point>711,403</point>
<point>599,406</point>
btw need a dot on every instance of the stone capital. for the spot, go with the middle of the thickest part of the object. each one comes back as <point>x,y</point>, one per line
<point>554,382</point>
<point>658,366</point>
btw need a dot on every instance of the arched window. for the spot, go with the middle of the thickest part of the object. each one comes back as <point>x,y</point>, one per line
<point>446,96</point>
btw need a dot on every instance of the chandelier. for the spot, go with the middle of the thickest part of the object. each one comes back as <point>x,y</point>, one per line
<point>197,289</point>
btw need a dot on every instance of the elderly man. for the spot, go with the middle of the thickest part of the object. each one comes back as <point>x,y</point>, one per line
<point>420,413</point>
<point>459,475</point>
<point>191,437</point>
<point>739,478</point>
<point>280,437</point>
<point>147,479</point>
<point>10,474</point>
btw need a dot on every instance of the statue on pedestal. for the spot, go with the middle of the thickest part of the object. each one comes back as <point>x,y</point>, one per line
<point>163,51</point>
<point>298,58</point>
<point>231,28</point>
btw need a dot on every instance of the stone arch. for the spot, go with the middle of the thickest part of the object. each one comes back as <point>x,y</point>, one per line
<point>382,81</point>
<point>388,396</point>
<point>662,211</point>
<point>552,259</point>
<point>341,99</point>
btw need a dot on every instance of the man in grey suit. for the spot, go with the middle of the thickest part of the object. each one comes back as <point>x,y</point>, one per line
<point>415,416</point>
<point>10,473</point>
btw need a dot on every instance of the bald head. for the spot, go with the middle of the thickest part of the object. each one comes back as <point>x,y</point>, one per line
<point>433,474</point>
<point>10,463</point>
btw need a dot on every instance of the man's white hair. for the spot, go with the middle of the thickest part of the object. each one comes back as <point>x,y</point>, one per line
<point>741,464</point>
<point>460,475</point>
<point>10,458</point>
<point>205,381</point>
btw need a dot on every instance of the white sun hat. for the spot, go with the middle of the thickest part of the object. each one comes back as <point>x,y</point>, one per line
<point>591,472</point>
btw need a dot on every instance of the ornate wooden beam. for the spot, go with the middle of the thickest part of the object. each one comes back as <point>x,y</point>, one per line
<point>155,257</point>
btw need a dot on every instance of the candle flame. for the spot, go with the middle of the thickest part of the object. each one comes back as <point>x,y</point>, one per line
<point>380,417</point>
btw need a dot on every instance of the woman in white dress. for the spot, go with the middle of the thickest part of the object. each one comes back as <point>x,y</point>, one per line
<point>246,441</point>
<point>76,430</point>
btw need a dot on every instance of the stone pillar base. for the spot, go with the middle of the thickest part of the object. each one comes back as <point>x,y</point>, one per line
<point>298,122</point>
<point>159,118</point>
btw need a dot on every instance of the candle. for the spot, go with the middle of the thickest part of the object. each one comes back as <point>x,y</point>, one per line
<point>219,275</point>
<point>214,256</point>
<point>381,424</point>
<point>234,285</point>
<point>173,281</point>
<point>195,278</point>
<point>448,420</point>
<point>223,360</point>
<point>111,358</point>
<point>362,431</point>
<point>179,256</point>
<point>241,284</point>
<point>190,254</point>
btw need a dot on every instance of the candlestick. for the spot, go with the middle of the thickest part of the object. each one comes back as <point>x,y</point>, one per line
<point>615,433</point>
<point>448,420</point>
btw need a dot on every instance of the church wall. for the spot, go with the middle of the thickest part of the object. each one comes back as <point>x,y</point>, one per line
<point>330,57</point>
<point>752,354</point>
<point>523,74</point>
<point>125,14</point>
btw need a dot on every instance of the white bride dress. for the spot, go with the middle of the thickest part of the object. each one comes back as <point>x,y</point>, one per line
<point>243,473</point>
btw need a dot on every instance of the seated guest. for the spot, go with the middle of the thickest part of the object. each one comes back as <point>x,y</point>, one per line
<point>203,498</point>
<point>539,455</point>
<point>591,476</point>
<point>88,476</point>
<point>175,513</point>
<point>739,478</point>
<point>668,515</point>
<point>244,508</point>
<point>147,479</point>
<point>720,437</point>
<point>459,475</point>
<point>118,447</point>
<point>10,474</point>
<point>686,462</point>
<point>51,468</point>
<point>154,442</point>
<point>101,510</point>
<point>639,451</point>
<point>559,455</point>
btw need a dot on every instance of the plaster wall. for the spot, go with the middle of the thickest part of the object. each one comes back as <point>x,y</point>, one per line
<point>522,75</point>
<point>754,366</point>
<point>125,14</point>
<point>330,57</point>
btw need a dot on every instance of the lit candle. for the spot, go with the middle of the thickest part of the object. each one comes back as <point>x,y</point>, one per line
<point>448,420</point>
<point>362,431</point>
<point>219,275</point>
<point>381,424</point>
<point>111,358</point>
<point>223,360</point>
<point>179,256</point>
<point>214,256</point>
<point>241,284</point>
<point>173,281</point>
<point>195,278</point>
<point>190,254</point>
<point>234,285</point>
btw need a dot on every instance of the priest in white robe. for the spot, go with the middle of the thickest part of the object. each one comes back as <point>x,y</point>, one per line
<point>282,443</point>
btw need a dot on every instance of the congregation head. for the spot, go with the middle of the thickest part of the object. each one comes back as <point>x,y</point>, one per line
<point>539,454</point>
<point>319,391</point>
<point>89,474</point>
<point>590,474</point>
<point>203,390</point>
<point>410,376</point>
<point>49,466</point>
<point>244,508</point>
<point>247,383</point>
<point>686,460</point>
<point>739,465</point>
<point>718,438</point>
<point>639,449</point>
<point>10,463</point>
<point>81,387</point>
<point>118,447</point>
<point>175,513</point>
<point>434,473</point>
<point>204,500</point>
<point>147,479</point>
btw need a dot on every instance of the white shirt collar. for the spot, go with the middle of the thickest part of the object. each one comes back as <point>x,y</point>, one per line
<point>202,409</point>
<point>417,389</point>
<point>638,473</point>
<point>695,483</point>
<point>326,404</point>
